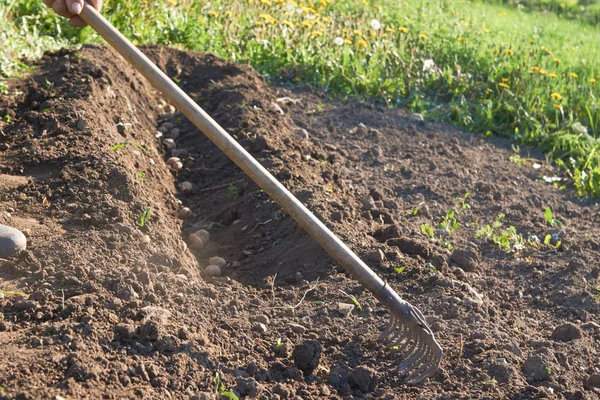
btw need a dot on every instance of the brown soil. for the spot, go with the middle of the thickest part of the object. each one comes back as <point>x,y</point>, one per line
<point>119,310</point>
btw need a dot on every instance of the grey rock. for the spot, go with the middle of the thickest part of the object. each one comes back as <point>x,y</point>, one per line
<point>12,241</point>
<point>345,309</point>
<point>263,319</point>
<point>248,387</point>
<point>260,328</point>
<point>297,328</point>
<point>369,203</point>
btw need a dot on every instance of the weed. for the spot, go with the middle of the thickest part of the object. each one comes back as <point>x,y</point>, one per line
<point>450,222</point>
<point>549,217</point>
<point>427,230</point>
<point>233,192</point>
<point>399,270</point>
<point>140,176</point>
<point>145,216</point>
<point>13,293</point>
<point>221,390</point>
<point>277,346</point>
<point>127,143</point>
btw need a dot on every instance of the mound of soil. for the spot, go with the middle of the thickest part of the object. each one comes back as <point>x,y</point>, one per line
<point>117,303</point>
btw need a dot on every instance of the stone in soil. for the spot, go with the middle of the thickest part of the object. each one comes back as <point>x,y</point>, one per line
<point>297,328</point>
<point>12,241</point>
<point>307,356</point>
<point>567,332</point>
<point>345,309</point>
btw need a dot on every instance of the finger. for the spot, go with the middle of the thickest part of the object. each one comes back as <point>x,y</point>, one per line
<point>60,7</point>
<point>48,3</point>
<point>75,6</point>
<point>77,21</point>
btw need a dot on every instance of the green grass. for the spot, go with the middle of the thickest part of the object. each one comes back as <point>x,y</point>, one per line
<point>486,68</point>
<point>587,11</point>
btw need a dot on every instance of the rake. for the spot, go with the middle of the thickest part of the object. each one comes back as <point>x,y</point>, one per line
<point>420,354</point>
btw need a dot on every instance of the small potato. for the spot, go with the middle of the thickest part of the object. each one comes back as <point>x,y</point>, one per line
<point>195,242</point>
<point>185,186</point>
<point>211,271</point>
<point>176,166</point>
<point>169,143</point>
<point>184,213</point>
<point>218,261</point>
<point>203,234</point>
<point>173,160</point>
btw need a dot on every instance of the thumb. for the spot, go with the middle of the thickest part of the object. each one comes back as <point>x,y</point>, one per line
<point>75,6</point>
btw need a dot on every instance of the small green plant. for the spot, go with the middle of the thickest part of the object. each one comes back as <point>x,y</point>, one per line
<point>145,216</point>
<point>450,222</point>
<point>427,230</point>
<point>549,217</point>
<point>13,293</point>
<point>3,88</point>
<point>140,176</point>
<point>221,391</point>
<point>277,346</point>
<point>489,382</point>
<point>462,202</point>
<point>233,192</point>
<point>48,85</point>
<point>127,143</point>
<point>399,270</point>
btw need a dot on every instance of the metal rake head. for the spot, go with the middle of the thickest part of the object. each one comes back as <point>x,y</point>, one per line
<point>420,353</point>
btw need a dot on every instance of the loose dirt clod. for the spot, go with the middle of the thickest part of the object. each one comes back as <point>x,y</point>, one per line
<point>307,356</point>
<point>211,271</point>
<point>184,213</point>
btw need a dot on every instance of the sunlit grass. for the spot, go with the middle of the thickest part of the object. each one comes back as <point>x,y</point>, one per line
<point>486,68</point>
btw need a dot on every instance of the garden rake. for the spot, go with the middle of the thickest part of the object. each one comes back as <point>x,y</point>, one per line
<point>408,330</point>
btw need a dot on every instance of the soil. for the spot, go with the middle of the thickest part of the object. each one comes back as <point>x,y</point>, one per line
<point>114,303</point>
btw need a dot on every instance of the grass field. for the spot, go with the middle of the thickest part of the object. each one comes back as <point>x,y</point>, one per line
<point>490,68</point>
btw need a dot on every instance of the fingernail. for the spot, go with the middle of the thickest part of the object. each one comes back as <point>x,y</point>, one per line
<point>75,7</point>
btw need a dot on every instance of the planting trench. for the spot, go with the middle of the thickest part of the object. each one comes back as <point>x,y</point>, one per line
<point>120,310</point>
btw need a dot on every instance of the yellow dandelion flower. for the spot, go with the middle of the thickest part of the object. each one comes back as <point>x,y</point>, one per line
<point>347,41</point>
<point>548,51</point>
<point>229,13</point>
<point>372,34</point>
<point>362,43</point>
<point>557,60</point>
<point>317,33</point>
<point>543,72</point>
<point>422,36</point>
<point>552,75</point>
<point>403,29</point>
<point>573,75</point>
<point>266,3</point>
<point>591,80</point>
<point>389,30</point>
<point>488,90</point>
<point>327,20</point>
<point>509,52</point>
<point>486,31</point>
<point>462,38</point>
<point>531,40</point>
<point>503,85</point>
<point>357,32</point>
<point>557,106</point>
<point>534,70</point>
<point>502,13</point>
<point>556,96</point>
<point>505,80</point>
<point>288,24</point>
<point>496,51</point>
<point>213,13</point>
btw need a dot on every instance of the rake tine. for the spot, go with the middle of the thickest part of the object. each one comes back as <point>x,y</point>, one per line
<point>415,352</point>
<point>400,334</point>
<point>409,337</point>
<point>415,361</point>
<point>390,328</point>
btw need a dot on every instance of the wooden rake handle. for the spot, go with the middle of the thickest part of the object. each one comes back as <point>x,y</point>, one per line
<point>233,150</point>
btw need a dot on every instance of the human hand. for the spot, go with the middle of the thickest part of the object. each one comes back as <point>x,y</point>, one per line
<point>71,9</point>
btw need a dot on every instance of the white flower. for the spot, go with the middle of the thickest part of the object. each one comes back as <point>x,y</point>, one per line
<point>375,24</point>
<point>429,66</point>
<point>339,41</point>
<point>536,166</point>
<point>551,179</point>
